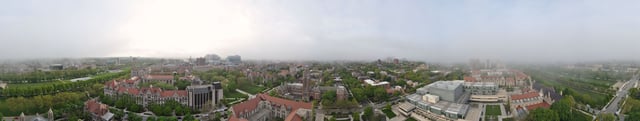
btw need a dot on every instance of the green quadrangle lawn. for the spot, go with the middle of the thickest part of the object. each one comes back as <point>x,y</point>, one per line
<point>492,110</point>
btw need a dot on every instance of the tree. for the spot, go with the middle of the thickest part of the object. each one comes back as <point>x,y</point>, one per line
<point>358,93</point>
<point>563,108</point>
<point>1,117</point>
<point>542,114</point>
<point>182,84</point>
<point>273,93</point>
<point>333,118</point>
<point>217,116</point>
<point>356,116</point>
<point>380,94</point>
<point>179,111</point>
<point>368,113</point>
<point>388,106</point>
<point>134,117</point>
<point>329,97</point>
<point>173,118</point>
<point>135,108</point>
<point>167,111</point>
<point>189,117</point>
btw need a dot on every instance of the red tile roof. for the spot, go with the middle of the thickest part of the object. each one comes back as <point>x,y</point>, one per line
<point>469,79</point>
<point>531,94</point>
<point>251,105</point>
<point>151,89</point>
<point>170,93</point>
<point>539,105</point>
<point>111,84</point>
<point>95,107</point>
<point>293,116</point>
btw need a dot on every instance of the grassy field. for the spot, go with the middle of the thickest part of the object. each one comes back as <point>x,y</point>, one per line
<point>492,112</point>
<point>254,89</point>
<point>389,113</point>
<point>410,119</point>
<point>234,94</point>
<point>590,87</point>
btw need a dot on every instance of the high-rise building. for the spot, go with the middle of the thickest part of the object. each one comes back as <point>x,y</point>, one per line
<point>234,58</point>
<point>205,95</point>
<point>201,61</point>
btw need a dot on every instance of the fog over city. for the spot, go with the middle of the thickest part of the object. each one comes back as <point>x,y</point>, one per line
<point>443,30</point>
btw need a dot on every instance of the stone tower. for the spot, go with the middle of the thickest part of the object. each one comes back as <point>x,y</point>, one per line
<point>50,115</point>
<point>22,117</point>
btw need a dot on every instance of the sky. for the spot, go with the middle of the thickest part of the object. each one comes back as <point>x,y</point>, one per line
<point>428,30</point>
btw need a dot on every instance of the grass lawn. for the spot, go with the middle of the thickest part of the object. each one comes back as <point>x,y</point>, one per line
<point>253,89</point>
<point>508,119</point>
<point>581,116</point>
<point>234,94</point>
<point>389,113</point>
<point>410,119</point>
<point>492,110</point>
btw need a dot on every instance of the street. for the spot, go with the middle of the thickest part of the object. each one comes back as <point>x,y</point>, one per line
<point>621,94</point>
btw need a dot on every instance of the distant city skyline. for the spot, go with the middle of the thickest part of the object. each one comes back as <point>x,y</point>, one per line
<point>436,31</point>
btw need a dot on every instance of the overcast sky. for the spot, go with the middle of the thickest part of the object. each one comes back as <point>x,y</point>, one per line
<point>430,30</point>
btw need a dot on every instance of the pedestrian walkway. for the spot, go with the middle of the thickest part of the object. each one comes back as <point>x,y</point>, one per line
<point>251,96</point>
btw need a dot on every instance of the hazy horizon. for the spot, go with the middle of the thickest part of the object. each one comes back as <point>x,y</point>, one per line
<point>436,31</point>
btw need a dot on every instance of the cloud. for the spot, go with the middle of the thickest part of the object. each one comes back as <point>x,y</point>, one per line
<point>443,31</point>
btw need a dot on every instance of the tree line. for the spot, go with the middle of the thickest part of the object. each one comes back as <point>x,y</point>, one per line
<point>60,103</point>
<point>562,110</point>
<point>44,76</point>
<point>29,91</point>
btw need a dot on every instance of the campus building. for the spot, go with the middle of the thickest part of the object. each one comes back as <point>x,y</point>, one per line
<point>195,96</point>
<point>438,100</point>
<point>502,77</point>
<point>481,88</point>
<point>266,108</point>
<point>37,117</point>
<point>447,90</point>
<point>98,111</point>
<point>530,100</point>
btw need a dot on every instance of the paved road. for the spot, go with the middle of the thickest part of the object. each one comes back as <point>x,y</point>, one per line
<point>614,105</point>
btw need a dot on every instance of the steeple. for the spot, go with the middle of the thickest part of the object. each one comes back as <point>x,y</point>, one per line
<point>50,115</point>
<point>541,92</point>
<point>22,117</point>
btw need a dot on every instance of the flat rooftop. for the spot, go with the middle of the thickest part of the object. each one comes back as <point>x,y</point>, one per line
<point>446,85</point>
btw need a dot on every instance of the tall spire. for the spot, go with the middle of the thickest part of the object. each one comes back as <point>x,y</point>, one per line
<point>50,115</point>
<point>22,117</point>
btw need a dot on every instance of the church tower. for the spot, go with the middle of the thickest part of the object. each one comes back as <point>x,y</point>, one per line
<point>22,117</point>
<point>50,115</point>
